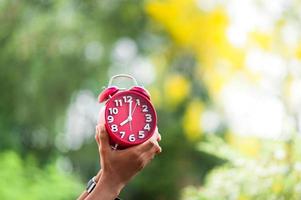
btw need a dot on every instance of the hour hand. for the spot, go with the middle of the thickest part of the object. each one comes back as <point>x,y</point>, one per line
<point>124,122</point>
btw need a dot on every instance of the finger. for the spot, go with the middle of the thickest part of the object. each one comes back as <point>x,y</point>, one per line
<point>103,138</point>
<point>149,155</point>
<point>157,135</point>
<point>148,145</point>
<point>97,136</point>
<point>157,149</point>
<point>147,158</point>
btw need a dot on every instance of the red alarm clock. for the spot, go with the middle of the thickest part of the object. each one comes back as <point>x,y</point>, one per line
<point>128,114</point>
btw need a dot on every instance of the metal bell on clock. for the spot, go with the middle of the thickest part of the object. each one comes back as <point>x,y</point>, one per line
<point>141,90</point>
<point>107,93</point>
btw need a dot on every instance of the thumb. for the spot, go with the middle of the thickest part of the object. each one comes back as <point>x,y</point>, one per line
<point>103,138</point>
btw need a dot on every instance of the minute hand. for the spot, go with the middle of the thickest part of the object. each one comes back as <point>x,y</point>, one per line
<point>131,116</point>
<point>130,111</point>
<point>134,109</point>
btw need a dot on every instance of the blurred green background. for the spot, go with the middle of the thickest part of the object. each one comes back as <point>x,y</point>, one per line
<point>224,75</point>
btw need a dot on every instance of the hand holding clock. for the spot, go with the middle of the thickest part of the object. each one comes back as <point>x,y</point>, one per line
<point>134,145</point>
<point>120,166</point>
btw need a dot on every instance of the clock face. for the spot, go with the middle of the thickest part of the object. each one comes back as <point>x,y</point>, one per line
<point>130,118</point>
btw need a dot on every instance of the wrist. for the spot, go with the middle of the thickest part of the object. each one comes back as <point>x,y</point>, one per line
<point>111,183</point>
<point>105,189</point>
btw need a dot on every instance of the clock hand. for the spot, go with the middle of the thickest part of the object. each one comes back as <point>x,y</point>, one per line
<point>130,111</point>
<point>124,122</point>
<point>132,116</point>
<point>129,119</point>
<point>134,110</point>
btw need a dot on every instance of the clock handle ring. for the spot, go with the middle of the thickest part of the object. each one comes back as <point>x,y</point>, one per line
<point>122,76</point>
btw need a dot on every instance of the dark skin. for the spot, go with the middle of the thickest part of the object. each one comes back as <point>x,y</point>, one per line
<point>119,166</point>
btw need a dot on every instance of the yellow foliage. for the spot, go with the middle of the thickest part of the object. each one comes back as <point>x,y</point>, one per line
<point>202,32</point>
<point>215,78</point>
<point>191,120</point>
<point>174,14</point>
<point>243,197</point>
<point>176,89</point>
<point>264,40</point>
<point>188,25</point>
<point>246,145</point>
<point>277,186</point>
<point>298,52</point>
